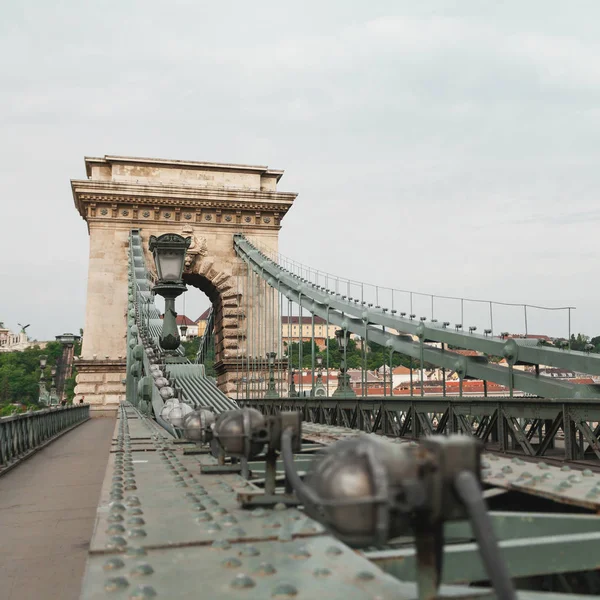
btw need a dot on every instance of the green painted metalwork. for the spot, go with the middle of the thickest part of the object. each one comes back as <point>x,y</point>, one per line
<point>23,434</point>
<point>562,428</point>
<point>375,323</point>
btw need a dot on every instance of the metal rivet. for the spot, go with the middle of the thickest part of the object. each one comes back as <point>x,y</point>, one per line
<point>365,575</point>
<point>587,473</point>
<point>134,551</point>
<point>232,562</point>
<point>249,551</point>
<point>132,501</point>
<point>135,511</point>
<point>280,506</point>
<point>202,518</point>
<point>574,478</point>
<point>507,469</point>
<point>518,461</point>
<point>221,545</point>
<point>136,521</point>
<point>116,541</point>
<point>284,590</point>
<point>114,518</point>
<point>198,506</point>
<point>242,581</point>
<point>228,520</point>
<point>265,568</point>
<point>115,528</point>
<point>543,466</point>
<point>112,564</point>
<point>141,570</point>
<point>142,591</point>
<point>300,552</point>
<point>333,551</point>
<point>212,527</point>
<point>321,572</point>
<point>565,468</point>
<point>135,533</point>
<point>115,584</point>
<point>237,532</point>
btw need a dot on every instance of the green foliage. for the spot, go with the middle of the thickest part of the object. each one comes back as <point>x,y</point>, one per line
<point>376,355</point>
<point>20,373</point>
<point>191,348</point>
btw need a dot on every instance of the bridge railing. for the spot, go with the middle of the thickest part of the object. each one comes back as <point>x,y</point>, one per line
<point>23,434</point>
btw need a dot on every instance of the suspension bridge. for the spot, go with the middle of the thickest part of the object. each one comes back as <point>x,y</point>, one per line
<point>281,475</point>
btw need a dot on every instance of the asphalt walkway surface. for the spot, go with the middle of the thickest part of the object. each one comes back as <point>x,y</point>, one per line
<point>47,512</point>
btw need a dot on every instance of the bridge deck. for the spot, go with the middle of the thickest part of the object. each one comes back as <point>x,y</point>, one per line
<point>47,511</point>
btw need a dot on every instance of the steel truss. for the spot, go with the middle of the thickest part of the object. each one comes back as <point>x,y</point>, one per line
<point>563,429</point>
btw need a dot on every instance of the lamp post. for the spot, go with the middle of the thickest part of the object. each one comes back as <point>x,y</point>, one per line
<point>169,256</point>
<point>293,392</point>
<point>343,388</point>
<point>53,394</point>
<point>271,390</point>
<point>319,388</point>
<point>44,397</point>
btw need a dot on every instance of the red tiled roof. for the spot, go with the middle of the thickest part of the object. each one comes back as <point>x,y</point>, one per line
<point>305,320</point>
<point>183,320</point>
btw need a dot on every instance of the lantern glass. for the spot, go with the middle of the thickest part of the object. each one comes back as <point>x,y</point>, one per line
<point>169,255</point>
<point>342,337</point>
<point>319,361</point>
<point>43,361</point>
<point>170,265</point>
<point>183,329</point>
<point>271,356</point>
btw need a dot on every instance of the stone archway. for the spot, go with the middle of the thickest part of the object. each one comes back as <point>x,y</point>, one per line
<point>209,201</point>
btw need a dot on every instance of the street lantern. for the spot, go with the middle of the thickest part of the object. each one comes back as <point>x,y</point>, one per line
<point>169,256</point>
<point>183,329</point>
<point>343,389</point>
<point>43,397</point>
<point>319,388</point>
<point>271,390</point>
<point>342,335</point>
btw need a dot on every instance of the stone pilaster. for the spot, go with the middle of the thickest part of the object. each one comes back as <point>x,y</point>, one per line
<point>100,383</point>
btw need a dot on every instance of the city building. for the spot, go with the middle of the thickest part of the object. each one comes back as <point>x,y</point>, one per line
<point>292,329</point>
<point>202,321</point>
<point>192,327</point>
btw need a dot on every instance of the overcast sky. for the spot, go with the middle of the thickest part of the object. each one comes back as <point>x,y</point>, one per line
<point>449,147</point>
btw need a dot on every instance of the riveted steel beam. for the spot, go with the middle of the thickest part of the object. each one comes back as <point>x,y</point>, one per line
<point>359,319</point>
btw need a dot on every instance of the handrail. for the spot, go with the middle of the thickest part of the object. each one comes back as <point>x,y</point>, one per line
<point>22,434</point>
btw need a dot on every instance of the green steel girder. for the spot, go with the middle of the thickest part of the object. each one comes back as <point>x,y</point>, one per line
<point>358,319</point>
<point>519,525</point>
<point>521,419</point>
<point>524,557</point>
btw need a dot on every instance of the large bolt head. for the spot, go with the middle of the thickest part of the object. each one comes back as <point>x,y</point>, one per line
<point>196,425</point>
<point>177,414</point>
<point>241,432</point>
<point>166,393</point>
<point>166,409</point>
<point>161,382</point>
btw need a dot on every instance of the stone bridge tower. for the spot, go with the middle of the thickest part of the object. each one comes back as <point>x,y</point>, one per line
<point>208,201</point>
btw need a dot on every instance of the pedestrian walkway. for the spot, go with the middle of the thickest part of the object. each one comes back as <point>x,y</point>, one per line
<point>47,512</point>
